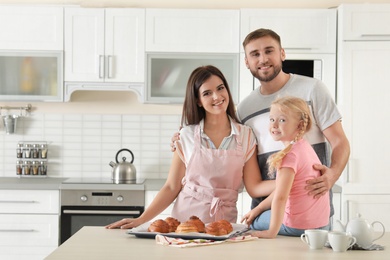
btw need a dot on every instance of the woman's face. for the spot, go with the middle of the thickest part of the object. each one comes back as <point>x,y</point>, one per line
<point>213,96</point>
<point>284,126</point>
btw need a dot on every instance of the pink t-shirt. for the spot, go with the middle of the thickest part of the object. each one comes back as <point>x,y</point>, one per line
<point>303,211</point>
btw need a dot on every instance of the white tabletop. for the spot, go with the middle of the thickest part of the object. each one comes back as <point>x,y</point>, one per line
<point>100,243</point>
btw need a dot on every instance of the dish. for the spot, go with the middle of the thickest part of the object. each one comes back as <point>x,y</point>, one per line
<point>142,232</point>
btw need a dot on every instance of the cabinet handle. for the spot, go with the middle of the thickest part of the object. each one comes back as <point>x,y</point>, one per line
<point>299,49</point>
<point>375,35</point>
<point>17,230</point>
<point>102,212</point>
<point>110,66</point>
<point>17,201</point>
<point>101,66</point>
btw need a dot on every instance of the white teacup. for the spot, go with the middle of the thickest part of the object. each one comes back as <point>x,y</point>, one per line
<point>340,241</point>
<point>315,238</point>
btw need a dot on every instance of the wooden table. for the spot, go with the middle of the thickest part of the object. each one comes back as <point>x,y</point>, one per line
<point>99,243</point>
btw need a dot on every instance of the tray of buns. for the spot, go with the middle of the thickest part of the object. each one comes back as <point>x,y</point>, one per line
<point>192,229</point>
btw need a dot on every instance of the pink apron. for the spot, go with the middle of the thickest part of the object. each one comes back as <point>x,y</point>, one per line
<point>211,184</point>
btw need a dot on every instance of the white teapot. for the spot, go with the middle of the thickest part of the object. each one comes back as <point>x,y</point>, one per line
<point>362,230</point>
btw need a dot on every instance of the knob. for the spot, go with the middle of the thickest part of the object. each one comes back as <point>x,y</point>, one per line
<point>84,198</point>
<point>120,198</point>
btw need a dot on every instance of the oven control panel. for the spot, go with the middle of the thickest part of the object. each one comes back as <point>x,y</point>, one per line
<point>102,198</point>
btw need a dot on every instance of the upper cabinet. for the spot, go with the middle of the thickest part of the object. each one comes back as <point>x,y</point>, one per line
<point>192,30</point>
<point>364,22</point>
<point>31,27</point>
<point>301,30</point>
<point>104,45</point>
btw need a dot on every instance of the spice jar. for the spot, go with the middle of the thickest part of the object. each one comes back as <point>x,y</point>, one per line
<point>27,168</point>
<point>35,151</point>
<point>27,151</point>
<point>43,151</point>
<point>19,151</point>
<point>43,168</point>
<point>35,168</point>
<point>19,167</point>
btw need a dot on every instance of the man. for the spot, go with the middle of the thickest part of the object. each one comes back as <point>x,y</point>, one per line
<point>263,57</point>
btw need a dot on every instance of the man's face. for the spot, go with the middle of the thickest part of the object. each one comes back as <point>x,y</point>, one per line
<point>264,57</point>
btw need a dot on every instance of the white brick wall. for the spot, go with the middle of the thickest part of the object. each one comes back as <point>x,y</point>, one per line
<point>82,145</point>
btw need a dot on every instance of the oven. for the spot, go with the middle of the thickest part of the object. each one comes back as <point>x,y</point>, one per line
<point>97,203</point>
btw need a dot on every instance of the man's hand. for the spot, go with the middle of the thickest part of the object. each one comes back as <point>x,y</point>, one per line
<point>319,186</point>
<point>175,137</point>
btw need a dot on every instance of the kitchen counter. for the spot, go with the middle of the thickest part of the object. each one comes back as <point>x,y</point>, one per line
<point>30,183</point>
<point>100,243</point>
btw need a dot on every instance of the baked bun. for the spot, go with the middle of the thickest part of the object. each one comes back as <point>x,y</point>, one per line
<point>173,223</point>
<point>219,228</point>
<point>159,226</point>
<point>186,227</point>
<point>198,223</point>
<point>226,225</point>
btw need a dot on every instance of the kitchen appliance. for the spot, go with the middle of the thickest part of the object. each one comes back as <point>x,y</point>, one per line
<point>168,73</point>
<point>123,172</point>
<point>98,202</point>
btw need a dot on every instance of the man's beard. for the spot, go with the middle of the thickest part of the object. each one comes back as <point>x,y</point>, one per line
<point>268,78</point>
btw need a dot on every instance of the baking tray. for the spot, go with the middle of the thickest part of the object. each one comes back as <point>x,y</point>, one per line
<point>142,232</point>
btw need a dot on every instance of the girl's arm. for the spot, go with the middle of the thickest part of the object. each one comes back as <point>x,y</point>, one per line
<point>284,181</point>
<point>253,182</point>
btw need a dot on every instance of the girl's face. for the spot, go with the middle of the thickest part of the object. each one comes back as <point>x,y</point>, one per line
<point>213,96</point>
<point>283,125</point>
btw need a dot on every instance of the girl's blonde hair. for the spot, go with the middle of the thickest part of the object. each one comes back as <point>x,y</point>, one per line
<point>299,107</point>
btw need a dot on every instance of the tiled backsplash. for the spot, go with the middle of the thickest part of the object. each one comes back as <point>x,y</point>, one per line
<point>82,145</point>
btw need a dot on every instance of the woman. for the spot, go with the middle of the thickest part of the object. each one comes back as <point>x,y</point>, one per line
<point>214,157</point>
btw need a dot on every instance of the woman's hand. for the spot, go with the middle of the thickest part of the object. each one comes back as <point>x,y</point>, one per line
<point>251,215</point>
<point>125,223</point>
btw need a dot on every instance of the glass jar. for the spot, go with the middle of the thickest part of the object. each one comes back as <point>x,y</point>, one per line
<point>27,151</point>
<point>43,168</point>
<point>19,167</point>
<point>35,151</point>
<point>27,168</point>
<point>19,151</point>
<point>43,151</point>
<point>35,168</point>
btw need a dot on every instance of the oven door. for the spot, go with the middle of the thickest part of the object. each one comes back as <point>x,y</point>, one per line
<point>73,218</point>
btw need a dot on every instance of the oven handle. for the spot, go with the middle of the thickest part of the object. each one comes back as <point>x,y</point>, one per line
<point>102,212</point>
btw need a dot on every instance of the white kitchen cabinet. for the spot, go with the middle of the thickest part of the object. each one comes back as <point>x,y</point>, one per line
<point>365,22</point>
<point>29,223</point>
<point>192,30</point>
<point>301,30</point>
<point>104,45</point>
<point>25,27</point>
<point>363,93</point>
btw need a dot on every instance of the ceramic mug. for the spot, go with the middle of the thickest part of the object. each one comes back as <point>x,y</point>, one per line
<point>315,238</point>
<point>341,241</point>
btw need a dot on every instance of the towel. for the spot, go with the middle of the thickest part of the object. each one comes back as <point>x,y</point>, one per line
<point>372,247</point>
<point>179,242</point>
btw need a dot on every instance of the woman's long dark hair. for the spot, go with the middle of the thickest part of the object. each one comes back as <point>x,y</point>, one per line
<point>192,113</point>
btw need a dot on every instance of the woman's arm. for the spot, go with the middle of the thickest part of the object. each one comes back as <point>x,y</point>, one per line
<point>163,199</point>
<point>284,181</point>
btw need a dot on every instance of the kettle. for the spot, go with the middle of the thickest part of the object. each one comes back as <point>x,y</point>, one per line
<point>123,172</point>
<point>362,230</point>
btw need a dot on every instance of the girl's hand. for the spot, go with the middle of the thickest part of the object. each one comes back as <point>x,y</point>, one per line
<point>125,223</point>
<point>263,234</point>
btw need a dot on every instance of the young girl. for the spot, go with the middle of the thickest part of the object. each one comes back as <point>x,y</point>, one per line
<point>293,210</point>
<point>214,157</point>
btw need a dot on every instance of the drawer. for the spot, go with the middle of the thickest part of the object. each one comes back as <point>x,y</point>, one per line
<point>19,252</point>
<point>29,201</point>
<point>365,22</point>
<point>29,230</point>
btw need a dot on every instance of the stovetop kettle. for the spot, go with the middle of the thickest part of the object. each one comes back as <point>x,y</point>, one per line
<point>123,172</point>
